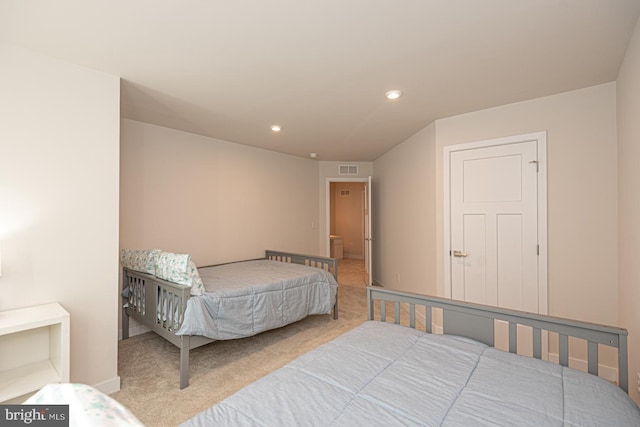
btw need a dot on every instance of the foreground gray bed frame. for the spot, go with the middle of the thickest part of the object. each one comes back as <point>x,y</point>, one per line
<point>147,292</point>
<point>476,321</point>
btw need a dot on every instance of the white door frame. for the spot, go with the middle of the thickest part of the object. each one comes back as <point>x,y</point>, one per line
<point>541,138</point>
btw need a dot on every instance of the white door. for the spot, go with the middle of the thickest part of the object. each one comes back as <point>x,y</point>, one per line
<point>494,225</point>
<point>368,240</point>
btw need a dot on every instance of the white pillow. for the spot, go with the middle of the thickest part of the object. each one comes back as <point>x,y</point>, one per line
<point>87,406</point>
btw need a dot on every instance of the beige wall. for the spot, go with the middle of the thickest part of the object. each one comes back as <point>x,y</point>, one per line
<point>328,171</point>
<point>582,195</point>
<point>59,143</point>
<point>214,199</point>
<point>629,203</point>
<point>404,215</point>
<point>582,198</point>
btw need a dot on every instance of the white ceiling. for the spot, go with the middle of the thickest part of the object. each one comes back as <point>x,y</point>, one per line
<point>229,69</point>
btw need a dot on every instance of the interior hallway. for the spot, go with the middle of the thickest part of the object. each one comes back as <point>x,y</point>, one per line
<point>351,272</point>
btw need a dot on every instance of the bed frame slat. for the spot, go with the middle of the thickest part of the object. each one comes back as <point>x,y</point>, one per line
<point>476,321</point>
<point>563,349</point>
<point>324,263</point>
<point>513,337</point>
<point>412,315</point>
<point>428,320</point>
<point>537,343</point>
<point>592,357</point>
<point>396,312</point>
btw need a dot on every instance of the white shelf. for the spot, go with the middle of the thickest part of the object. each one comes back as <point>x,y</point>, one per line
<point>26,379</point>
<point>34,349</point>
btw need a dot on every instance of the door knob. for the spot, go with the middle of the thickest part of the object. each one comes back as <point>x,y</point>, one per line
<point>459,254</point>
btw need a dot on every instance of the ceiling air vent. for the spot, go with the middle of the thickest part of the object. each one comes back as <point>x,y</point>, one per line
<point>348,169</point>
<point>345,193</point>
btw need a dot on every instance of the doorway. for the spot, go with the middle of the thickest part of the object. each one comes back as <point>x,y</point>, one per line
<point>347,223</point>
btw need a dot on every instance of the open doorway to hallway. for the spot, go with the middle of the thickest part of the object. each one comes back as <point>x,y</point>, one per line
<point>351,272</point>
<point>347,231</point>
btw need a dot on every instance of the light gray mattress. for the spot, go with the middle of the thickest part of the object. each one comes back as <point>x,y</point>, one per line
<point>385,374</point>
<point>246,298</point>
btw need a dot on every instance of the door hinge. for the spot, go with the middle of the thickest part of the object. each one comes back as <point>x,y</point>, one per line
<point>538,249</point>
<point>537,165</point>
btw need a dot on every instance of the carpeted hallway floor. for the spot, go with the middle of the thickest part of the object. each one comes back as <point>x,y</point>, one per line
<point>351,272</point>
<point>148,365</point>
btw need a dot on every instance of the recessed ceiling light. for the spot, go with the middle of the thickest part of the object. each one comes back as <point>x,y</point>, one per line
<point>393,94</point>
<point>313,155</point>
<point>276,128</point>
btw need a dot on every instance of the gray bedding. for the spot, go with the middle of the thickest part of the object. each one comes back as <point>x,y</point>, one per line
<point>385,374</point>
<point>246,298</point>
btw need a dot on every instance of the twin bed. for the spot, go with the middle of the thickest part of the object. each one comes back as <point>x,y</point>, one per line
<point>228,301</point>
<point>384,373</point>
<point>388,373</point>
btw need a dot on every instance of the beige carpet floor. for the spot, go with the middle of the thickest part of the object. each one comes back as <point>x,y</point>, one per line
<point>351,272</point>
<point>148,365</point>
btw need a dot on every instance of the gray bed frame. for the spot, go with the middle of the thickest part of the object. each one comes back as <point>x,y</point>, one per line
<point>147,292</point>
<point>476,321</point>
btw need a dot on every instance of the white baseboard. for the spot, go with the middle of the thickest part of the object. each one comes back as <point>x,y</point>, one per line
<point>109,386</point>
<point>137,330</point>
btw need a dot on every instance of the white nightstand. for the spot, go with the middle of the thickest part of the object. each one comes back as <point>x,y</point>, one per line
<point>34,349</point>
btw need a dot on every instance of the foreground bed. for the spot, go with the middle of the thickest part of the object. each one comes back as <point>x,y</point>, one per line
<point>387,374</point>
<point>238,300</point>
